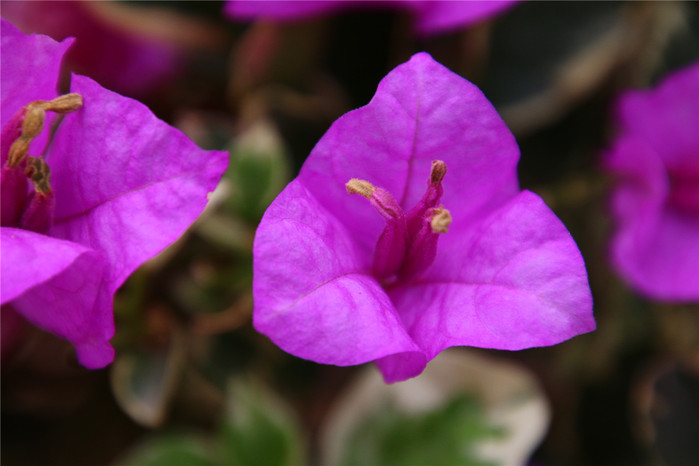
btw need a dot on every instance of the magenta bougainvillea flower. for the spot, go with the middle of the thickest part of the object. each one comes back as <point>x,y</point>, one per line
<point>406,233</point>
<point>113,188</point>
<point>656,203</point>
<point>431,17</point>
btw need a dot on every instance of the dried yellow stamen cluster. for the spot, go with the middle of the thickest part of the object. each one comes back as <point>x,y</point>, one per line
<point>38,171</point>
<point>34,117</point>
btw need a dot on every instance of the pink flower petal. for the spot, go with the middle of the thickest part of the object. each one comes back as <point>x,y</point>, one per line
<point>434,17</point>
<point>30,66</point>
<point>127,184</point>
<point>667,117</point>
<point>517,281</point>
<point>58,286</point>
<point>656,203</point>
<point>659,255</point>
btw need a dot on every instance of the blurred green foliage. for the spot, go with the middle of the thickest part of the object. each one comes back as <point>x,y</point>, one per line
<point>173,450</point>
<point>257,179</point>
<point>256,430</point>
<point>444,436</point>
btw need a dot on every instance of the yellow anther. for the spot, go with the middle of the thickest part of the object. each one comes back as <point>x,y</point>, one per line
<point>18,150</point>
<point>33,122</point>
<point>441,220</point>
<point>65,103</point>
<point>437,171</point>
<point>357,186</point>
<point>39,173</point>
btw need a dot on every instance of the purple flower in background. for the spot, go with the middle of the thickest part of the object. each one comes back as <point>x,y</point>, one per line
<point>113,188</point>
<point>375,252</point>
<point>431,17</point>
<point>119,55</point>
<point>656,202</point>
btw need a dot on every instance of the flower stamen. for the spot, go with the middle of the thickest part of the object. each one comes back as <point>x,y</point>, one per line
<point>33,123</point>
<point>441,220</point>
<point>39,173</point>
<point>408,244</point>
<point>357,186</point>
<point>29,210</point>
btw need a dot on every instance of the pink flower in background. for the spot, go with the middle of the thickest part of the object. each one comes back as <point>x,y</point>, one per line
<point>112,51</point>
<point>114,187</point>
<point>656,202</point>
<point>375,252</point>
<point>431,17</point>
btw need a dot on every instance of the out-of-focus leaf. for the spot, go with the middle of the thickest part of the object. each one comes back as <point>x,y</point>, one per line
<point>445,436</point>
<point>465,408</point>
<point>258,430</point>
<point>173,450</point>
<point>258,170</point>
<point>144,381</point>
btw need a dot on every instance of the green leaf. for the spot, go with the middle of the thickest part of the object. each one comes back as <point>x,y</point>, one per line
<point>258,171</point>
<point>446,436</point>
<point>172,450</point>
<point>144,380</point>
<point>258,430</point>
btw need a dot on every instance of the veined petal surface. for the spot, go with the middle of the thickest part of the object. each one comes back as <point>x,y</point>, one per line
<point>127,184</point>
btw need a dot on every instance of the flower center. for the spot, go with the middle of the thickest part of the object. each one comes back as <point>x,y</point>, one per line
<point>408,244</point>
<point>31,209</point>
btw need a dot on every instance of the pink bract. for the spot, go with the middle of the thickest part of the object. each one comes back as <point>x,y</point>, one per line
<point>431,17</point>
<point>125,186</point>
<point>507,274</point>
<point>655,156</point>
